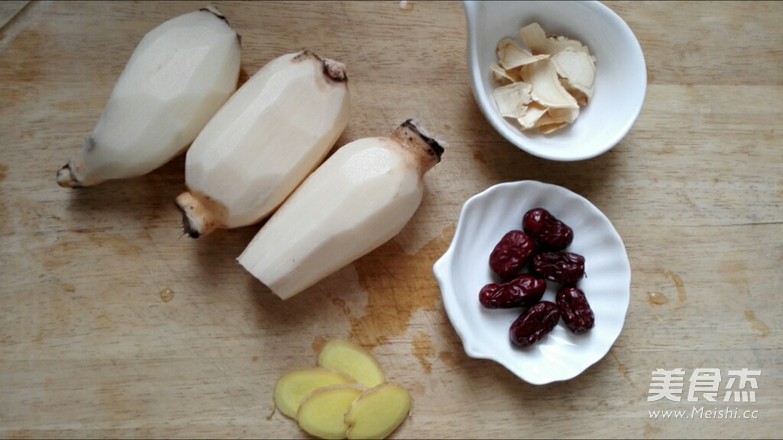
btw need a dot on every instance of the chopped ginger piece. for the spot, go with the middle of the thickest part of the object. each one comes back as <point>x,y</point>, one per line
<point>378,412</point>
<point>322,413</point>
<point>294,386</point>
<point>353,360</point>
<point>346,396</point>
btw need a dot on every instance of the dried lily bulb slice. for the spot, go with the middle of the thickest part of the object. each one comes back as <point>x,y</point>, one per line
<point>502,76</point>
<point>546,87</point>
<point>549,128</point>
<point>533,113</point>
<point>539,43</point>
<point>556,118</point>
<point>511,56</point>
<point>577,72</point>
<point>542,88</point>
<point>565,115</point>
<point>512,99</point>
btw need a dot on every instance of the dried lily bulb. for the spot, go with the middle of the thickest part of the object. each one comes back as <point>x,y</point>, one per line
<point>544,86</point>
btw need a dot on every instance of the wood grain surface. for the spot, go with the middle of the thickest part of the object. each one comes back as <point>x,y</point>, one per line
<point>114,324</point>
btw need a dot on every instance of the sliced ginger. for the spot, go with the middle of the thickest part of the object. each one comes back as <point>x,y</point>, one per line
<point>294,386</point>
<point>353,360</point>
<point>378,412</point>
<point>322,413</point>
<point>345,396</point>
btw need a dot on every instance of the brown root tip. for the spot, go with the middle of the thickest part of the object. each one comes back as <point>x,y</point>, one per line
<point>198,214</point>
<point>333,70</point>
<point>213,10</point>
<point>66,177</point>
<point>435,147</point>
<point>189,231</point>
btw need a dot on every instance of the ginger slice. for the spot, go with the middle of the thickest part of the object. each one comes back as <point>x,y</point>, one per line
<point>353,360</point>
<point>322,413</point>
<point>327,403</point>
<point>378,412</point>
<point>294,386</point>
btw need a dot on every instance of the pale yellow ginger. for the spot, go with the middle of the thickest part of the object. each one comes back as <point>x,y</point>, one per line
<point>378,412</point>
<point>345,396</point>
<point>294,386</point>
<point>352,360</point>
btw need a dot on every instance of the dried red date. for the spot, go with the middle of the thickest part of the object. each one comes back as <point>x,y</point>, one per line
<point>561,267</point>
<point>523,291</point>
<point>512,253</point>
<point>575,310</point>
<point>534,324</point>
<point>547,230</point>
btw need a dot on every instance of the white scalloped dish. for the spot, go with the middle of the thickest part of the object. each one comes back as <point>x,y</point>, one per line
<point>464,269</point>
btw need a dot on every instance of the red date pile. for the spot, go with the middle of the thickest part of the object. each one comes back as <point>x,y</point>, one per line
<point>538,247</point>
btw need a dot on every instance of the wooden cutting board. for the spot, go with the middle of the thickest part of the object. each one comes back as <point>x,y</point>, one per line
<point>115,324</point>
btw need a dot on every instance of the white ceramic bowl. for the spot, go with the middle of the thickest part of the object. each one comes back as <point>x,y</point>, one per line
<point>464,269</point>
<point>621,72</point>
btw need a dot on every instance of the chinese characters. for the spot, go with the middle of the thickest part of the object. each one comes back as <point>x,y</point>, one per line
<point>704,383</point>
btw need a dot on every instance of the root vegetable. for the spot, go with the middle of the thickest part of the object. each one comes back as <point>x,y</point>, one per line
<point>358,199</point>
<point>353,360</point>
<point>378,412</point>
<point>263,142</point>
<point>294,386</point>
<point>178,76</point>
<point>364,406</point>
<point>322,413</point>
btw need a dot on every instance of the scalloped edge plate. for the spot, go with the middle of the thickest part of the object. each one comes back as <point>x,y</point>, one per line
<point>463,270</point>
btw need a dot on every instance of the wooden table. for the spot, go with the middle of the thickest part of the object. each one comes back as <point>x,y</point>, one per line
<point>93,343</point>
